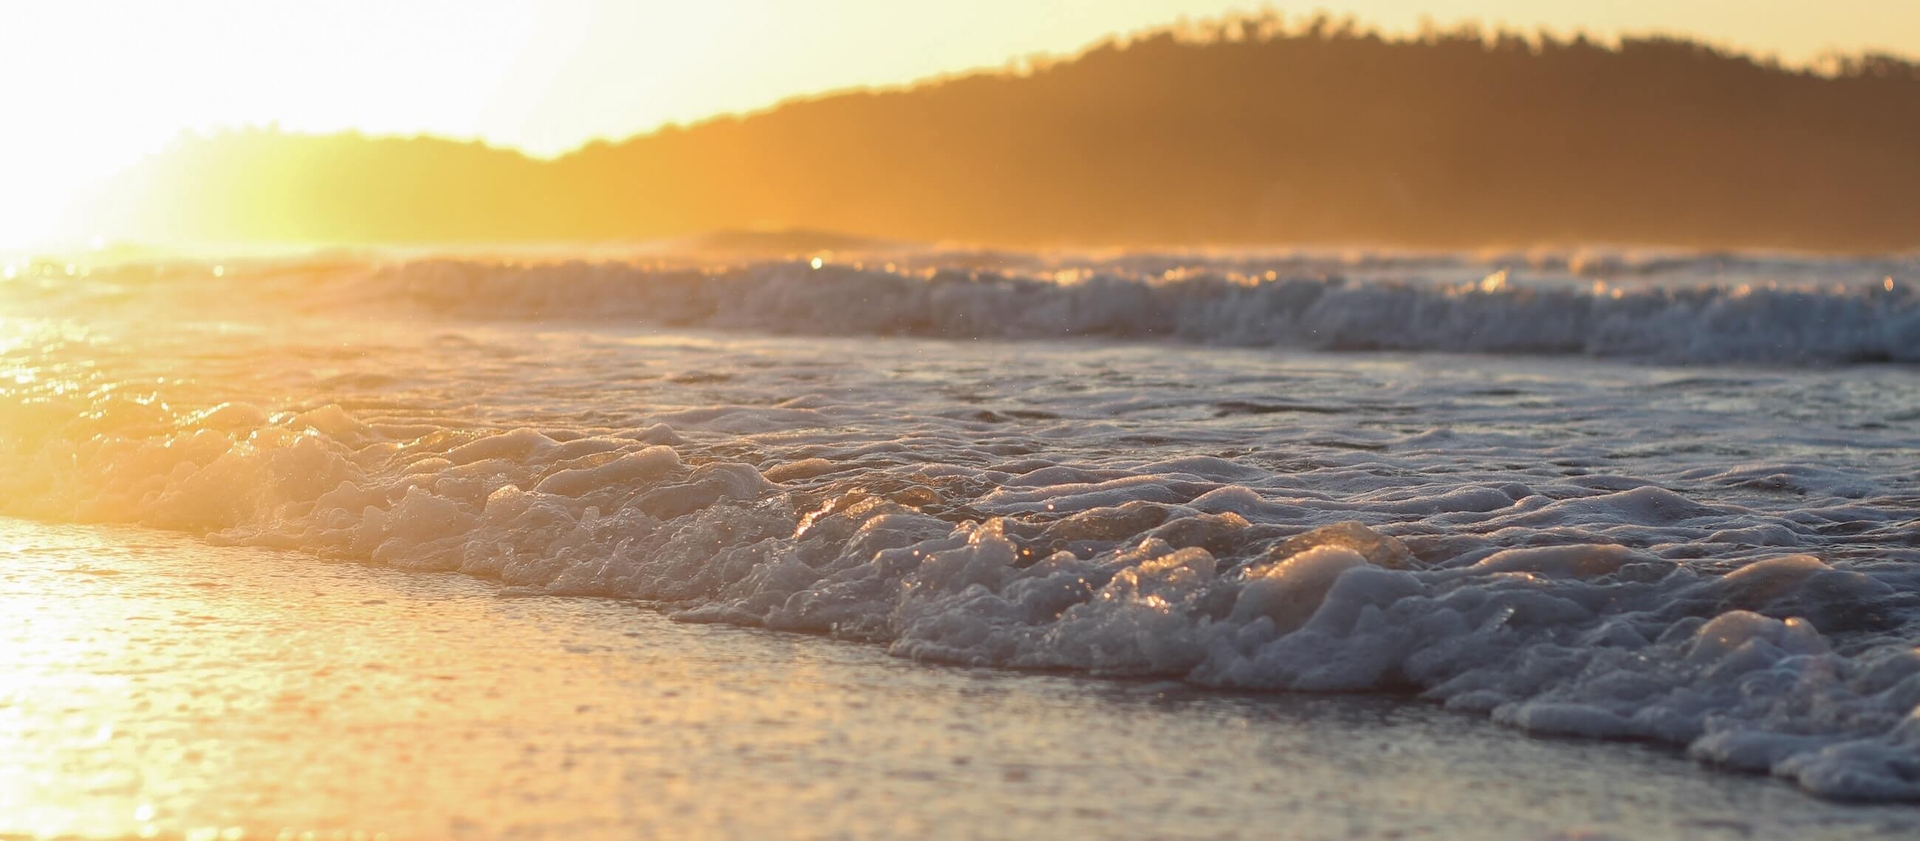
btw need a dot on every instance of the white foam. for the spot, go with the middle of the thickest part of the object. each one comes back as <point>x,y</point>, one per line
<point>1507,540</point>
<point>1582,639</point>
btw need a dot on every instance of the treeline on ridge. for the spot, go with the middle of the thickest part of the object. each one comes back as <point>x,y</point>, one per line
<point>1243,131</point>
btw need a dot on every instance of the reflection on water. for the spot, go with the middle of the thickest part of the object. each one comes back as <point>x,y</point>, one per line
<point>150,686</point>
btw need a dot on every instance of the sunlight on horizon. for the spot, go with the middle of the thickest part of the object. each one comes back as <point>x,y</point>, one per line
<point>119,80</point>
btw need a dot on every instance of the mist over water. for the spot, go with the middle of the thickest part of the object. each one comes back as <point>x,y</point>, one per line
<point>1613,496</point>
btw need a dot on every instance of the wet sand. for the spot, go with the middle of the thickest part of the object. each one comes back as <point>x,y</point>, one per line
<point>158,687</point>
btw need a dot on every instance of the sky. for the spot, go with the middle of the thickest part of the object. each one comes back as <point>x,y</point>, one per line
<point>89,86</point>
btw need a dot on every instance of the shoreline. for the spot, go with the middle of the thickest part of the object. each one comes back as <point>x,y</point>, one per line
<point>428,706</point>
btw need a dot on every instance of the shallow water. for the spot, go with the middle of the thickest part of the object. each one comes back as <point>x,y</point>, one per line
<point>160,688</point>
<point>1714,557</point>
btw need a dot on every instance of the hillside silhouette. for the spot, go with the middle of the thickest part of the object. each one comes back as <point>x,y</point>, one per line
<point>1236,132</point>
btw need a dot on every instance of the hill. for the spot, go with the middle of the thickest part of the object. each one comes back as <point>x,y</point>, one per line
<point>1245,133</point>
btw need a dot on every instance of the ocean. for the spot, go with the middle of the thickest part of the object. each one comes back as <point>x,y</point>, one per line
<point>1135,545</point>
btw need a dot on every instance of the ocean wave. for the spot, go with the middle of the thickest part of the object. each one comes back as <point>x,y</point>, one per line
<point>1677,309</point>
<point>1566,609</point>
<point>1678,323</point>
<point>1723,560</point>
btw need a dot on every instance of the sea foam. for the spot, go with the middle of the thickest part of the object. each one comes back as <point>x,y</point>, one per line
<point>1494,542</point>
<point>1170,570</point>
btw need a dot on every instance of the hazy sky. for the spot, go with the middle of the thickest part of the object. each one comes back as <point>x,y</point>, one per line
<point>89,85</point>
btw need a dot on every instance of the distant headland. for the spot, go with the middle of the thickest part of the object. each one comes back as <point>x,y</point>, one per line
<point>1236,132</point>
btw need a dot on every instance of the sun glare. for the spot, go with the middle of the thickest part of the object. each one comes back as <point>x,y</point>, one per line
<point>1024,419</point>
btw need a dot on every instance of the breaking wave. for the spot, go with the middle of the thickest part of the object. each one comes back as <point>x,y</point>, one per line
<point>1668,323</point>
<point>1705,310</point>
<point>1565,608</point>
<point>1112,517</point>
